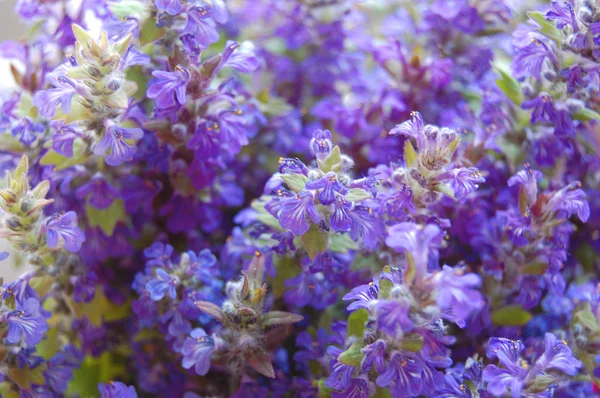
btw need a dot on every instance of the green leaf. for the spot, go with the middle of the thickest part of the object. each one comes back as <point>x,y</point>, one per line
<point>324,391</point>
<point>137,75</point>
<point>25,377</point>
<point>41,284</point>
<point>287,268</point>
<point>356,322</point>
<point>10,143</point>
<point>93,371</point>
<point>537,268</point>
<point>52,158</point>
<point>547,28</point>
<point>314,241</point>
<point>410,155</point>
<point>382,393</point>
<point>49,346</point>
<point>358,194</point>
<point>509,86</point>
<point>587,319</point>
<point>412,342</point>
<point>128,8</point>
<point>512,315</point>
<point>341,243</point>
<point>295,181</point>
<point>333,162</point>
<point>149,32</point>
<point>99,310</point>
<point>352,356</point>
<point>108,218</point>
<point>586,114</point>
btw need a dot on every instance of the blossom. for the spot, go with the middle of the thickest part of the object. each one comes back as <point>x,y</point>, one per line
<point>173,7</point>
<point>168,88</point>
<point>458,295</point>
<point>197,350</point>
<point>374,354</point>
<point>162,283</point>
<point>63,229</point>
<point>558,356</point>
<point>365,296</point>
<point>294,211</point>
<point>115,142</point>
<point>463,180</point>
<point>327,187</point>
<point>26,322</point>
<point>116,389</point>
<point>419,242</point>
<point>99,192</point>
<point>512,375</point>
<point>402,375</point>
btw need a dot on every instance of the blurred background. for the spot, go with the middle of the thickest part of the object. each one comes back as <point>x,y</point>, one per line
<point>10,29</point>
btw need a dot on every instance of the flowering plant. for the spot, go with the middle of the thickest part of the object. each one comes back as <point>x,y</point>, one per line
<point>308,198</point>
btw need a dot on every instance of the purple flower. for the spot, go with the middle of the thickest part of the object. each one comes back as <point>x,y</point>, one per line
<point>294,211</point>
<point>358,388</point>
<point>114,141</point>
<point>374,354</point>
<point>458,294</point>
<point>116,389</point>
<point>365,296</point>
<point>48,100</point>
<point>202,26</point>
<point>402,375</point>
<point>321,144</point>
<point>514,370</point>
<point>543,108</point>
<point>172,7</point>
<point>162,283</point>
<point>411,128</point>
<point>570,200</point>
<point>63,228</point>
<point>197,350</point>
<point>367,224</point>
<point>84,287</point>
<point>528,178</point>
<point>393,317</point>
<point>340,220</point>
<point>530,59</point>
<point>239,57</point>
<point>463,181</point>
<point>202,265</point>
<point>20,289</point>
<point>558,356</point>
<point>563,14</point>
<point>327,185</point>
<point>169,88</point>
<point>27,131</point>
<point>100,193</point>
<point>159,255</point>
<point>26,322</point>
<point>420,243</point>
<point>310,349</point>
<point>340,377</point>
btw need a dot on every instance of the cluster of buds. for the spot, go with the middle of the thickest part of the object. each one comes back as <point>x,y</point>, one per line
<point>22,206</point>
<point>248,333</point>
<point>428,173</point>
<point>91,91</point>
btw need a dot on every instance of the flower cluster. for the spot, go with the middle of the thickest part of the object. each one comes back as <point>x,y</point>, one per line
<point>312,198</point>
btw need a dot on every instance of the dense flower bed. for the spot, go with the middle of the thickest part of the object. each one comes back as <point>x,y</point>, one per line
<point>309,198</point>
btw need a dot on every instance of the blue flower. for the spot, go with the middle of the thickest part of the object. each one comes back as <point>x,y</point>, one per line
<point>173,7</point>
<point>374,354</point>
<point>168,89</point>
<point>26,322</point>
<point>402,375</point>
<point>458,294</point>
<point>115,142</point>
<point>514,370</point>
<point>558,356</point>
<point>63,228</point>
<point>197,350</point>
<point>393,317</point>
<point>365,296</point>
<point>327,185</point>
<point>294,211</point>
<point>161,284</point>
<point>99,192</point>
<point>463,180</point>
<point>340,220</point>
<point>116,389</point>
<point>367,225</point>
<point>159,255</point>
<point>202,265</point>
<point>20,290</point>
